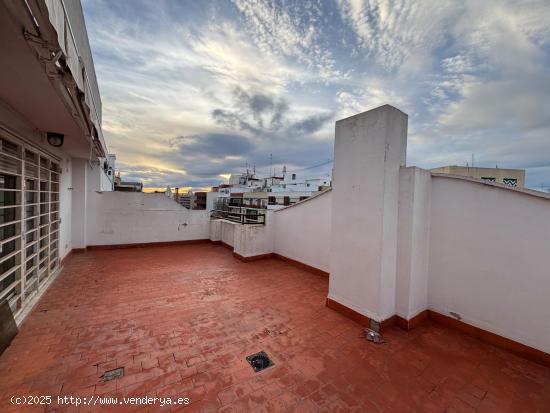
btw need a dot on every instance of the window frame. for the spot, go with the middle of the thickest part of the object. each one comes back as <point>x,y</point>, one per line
<point>36,220</point>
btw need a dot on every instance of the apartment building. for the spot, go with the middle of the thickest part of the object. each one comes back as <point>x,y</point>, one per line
<point>192,199</point>
<point>510,177</point>
<point>274,192</point>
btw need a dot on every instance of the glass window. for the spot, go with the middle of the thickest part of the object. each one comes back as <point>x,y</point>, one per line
<point>510,181</point>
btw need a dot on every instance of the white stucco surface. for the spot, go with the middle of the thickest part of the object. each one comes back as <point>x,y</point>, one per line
<point>489,259</point>
<point>302,231</point>
<point>369,150</point>
<point>105,183</point>
<point>227,232</point>
<point>254,239</point>
<point>136,217</point>
<point>413,242</point>
<point>79,201</point>
<point>247,240</point>
<point>215,230</point>
<point>65,207</point>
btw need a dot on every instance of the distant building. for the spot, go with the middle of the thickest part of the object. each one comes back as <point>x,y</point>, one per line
<point>193,200</point>
<point>127,186</point>
<point>274,192</point>
<point>511,177</point>
<point>107,175</point>
<point>167,192</point>
<point>291,189</point>
<point>246,182</point>
<point>200,200</point>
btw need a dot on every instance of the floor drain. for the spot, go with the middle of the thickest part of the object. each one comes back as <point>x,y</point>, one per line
<point>259,361</point>
<point>113,374</point>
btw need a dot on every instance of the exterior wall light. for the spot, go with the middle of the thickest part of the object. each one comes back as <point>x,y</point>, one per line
<point>55,139</point>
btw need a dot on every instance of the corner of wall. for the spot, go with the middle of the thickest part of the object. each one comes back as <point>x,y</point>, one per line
<point>413,242</point>
<point>253,240</point>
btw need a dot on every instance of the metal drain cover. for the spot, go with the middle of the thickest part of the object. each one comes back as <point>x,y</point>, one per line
<point>259,361</point>
<point>113,374</point>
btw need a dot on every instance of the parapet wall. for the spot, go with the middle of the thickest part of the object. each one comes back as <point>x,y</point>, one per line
<point>478,251</point>
<point>474,250</point>
<point>399,243</point>
<point>302,231</point>
<point>120,218</point>
<point>489,258</point>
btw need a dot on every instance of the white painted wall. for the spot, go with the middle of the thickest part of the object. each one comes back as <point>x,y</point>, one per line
<point>79,201</point>
<point>17,128</point>
<point>302,231</point>
<point>210,200</point>
<point>255,239</point>
<point>215,228</point>
<point>413,241</point>
<point>369,150</point>
<point>65,207</point>
<point>489,259</point>
<point>136,217</point>
<point>228,232</point>
<point>106,183</point>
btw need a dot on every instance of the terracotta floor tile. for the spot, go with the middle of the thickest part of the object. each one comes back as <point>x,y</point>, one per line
<point>182,319</point>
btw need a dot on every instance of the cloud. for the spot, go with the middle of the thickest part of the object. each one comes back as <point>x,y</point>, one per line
<point>399,34</point>
<point>375,94</point>
<point>232,60</point>
<point>292,30</point>
<point>231,121</point>
<point>310,124</point>
<point>238,81</point>
<point>150,176</point>
<point>508,89</point>
<point>490,98</point>
<point>501,104</point>
<point>264,111</point>
<point>268,117</point>
<point>262,106</point>
<point>215,145</point>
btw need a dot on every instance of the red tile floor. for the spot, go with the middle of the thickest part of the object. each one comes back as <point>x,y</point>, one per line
<point>182,319</point>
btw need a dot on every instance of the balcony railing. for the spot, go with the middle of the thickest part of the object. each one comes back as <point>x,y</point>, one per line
<point>239,214</point>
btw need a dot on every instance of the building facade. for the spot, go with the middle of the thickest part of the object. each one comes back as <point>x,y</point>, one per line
<point>274,192</point>
<point>53,156</point>
<point>511,177</point>
<point>192,200</point>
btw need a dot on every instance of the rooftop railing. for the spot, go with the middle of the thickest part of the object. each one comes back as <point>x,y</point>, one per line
<point>240,215</point>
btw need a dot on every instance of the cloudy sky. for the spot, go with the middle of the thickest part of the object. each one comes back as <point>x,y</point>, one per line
<point>193,90</point>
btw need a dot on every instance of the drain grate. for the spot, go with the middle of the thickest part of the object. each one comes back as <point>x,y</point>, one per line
<point>113,374</point>
<point>259,361</point>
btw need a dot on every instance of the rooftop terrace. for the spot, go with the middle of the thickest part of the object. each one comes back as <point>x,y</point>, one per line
<point>182,319</point>
<point>403,247</point>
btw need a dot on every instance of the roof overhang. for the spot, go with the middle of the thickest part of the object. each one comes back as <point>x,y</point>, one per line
<point>35,82</point>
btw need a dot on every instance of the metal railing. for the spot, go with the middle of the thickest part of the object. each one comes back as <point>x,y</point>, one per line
<point>239,215</point>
